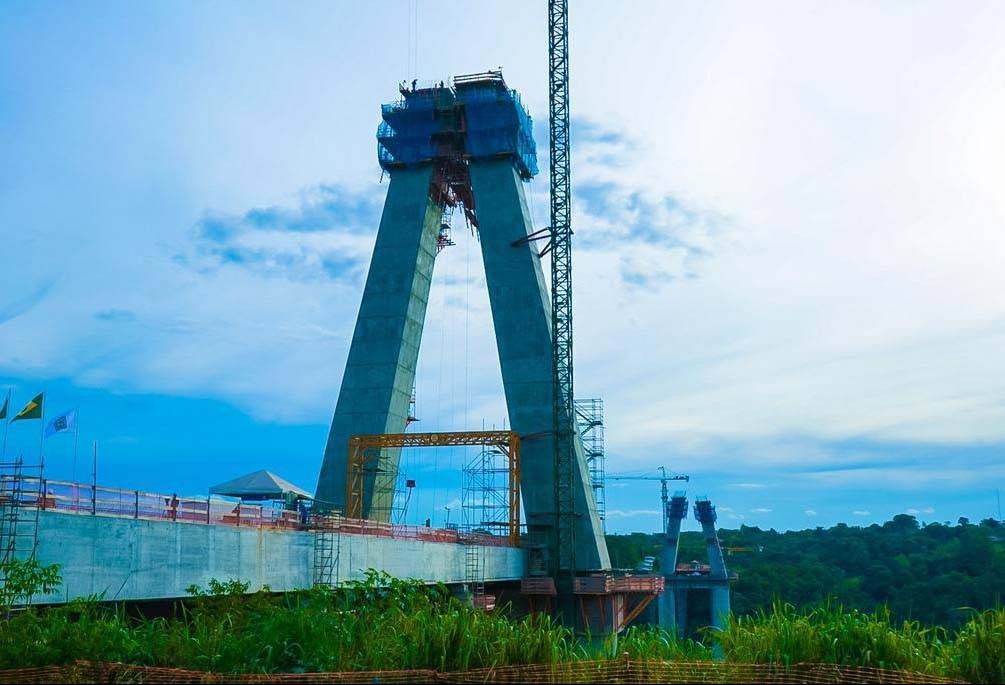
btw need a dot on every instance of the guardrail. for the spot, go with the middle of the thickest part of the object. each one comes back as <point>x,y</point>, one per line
<point>79,498</point>
<point>84,499</point>
<point>352,526</point>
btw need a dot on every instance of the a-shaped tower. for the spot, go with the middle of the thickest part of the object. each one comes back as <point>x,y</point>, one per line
<point>467,145</point>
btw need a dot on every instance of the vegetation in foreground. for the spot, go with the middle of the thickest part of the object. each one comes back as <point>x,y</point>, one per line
<point>387,624</point>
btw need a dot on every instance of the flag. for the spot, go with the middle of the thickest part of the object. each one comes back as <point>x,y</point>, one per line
<point>65,422</point>
<point>3,409</point>
<point>32,410</point>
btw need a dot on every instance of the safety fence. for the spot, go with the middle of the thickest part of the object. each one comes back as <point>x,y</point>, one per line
<point>80,498</point>
<point>347,526</point>
<point>607,671</point>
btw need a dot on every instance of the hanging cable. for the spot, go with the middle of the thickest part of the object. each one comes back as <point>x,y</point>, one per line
<point>415,43</point>
<point>466,452</point>
<point>408,42</point>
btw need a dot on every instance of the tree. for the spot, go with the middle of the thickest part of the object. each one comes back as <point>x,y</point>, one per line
<point>23,579</point>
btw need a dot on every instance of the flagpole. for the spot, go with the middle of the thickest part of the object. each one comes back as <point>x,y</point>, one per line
<point>6,421</point>
<point>76,435</point>
<point>41,440</point>
<point>94,480</point>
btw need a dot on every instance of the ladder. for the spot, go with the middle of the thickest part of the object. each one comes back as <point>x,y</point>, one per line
<point>474,574</point>
<point>327,546</point>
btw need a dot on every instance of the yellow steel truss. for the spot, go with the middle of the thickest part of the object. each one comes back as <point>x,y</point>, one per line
<point>365,450</point>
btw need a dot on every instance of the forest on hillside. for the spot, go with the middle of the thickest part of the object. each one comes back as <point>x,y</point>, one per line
<point>934,573</point>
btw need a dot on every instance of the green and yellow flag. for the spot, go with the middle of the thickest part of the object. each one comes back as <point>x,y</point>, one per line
<point>32,410</point>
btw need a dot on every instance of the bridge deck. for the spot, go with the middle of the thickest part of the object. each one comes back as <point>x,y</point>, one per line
<point>141,559</point>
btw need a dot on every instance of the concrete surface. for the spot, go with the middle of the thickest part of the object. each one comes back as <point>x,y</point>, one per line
<point>134,559</point>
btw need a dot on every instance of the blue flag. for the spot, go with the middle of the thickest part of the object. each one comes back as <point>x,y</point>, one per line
<point>64,423</point>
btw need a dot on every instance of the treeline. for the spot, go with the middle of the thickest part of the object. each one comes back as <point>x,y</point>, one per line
<point>934,573</point>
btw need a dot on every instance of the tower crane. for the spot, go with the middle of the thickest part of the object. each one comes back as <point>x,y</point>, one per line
<point>563,414</point>
<point>664,490</point>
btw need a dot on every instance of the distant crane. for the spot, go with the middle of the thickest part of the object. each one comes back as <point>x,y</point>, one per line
<point>664,490</point>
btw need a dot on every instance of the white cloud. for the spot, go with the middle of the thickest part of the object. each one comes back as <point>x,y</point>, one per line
<point>810,512</point>
<point>860,512</point>
<point>817,262</point>
<point>926,510</point>
<point>630,513</point>
<point>760,510</point>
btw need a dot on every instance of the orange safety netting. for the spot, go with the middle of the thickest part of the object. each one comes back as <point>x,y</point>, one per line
<point>606,671</point>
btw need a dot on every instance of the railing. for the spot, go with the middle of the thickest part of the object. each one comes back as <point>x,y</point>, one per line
<point>352,526</point>
<point>79,498</point>
<point>603,584</point>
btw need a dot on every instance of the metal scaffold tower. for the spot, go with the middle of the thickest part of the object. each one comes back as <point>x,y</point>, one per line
<point>21,493</point>
<point>590,422</point>
<point>561,295</point>
<point>485,493</point>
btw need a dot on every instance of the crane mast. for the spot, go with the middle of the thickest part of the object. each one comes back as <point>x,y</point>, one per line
<point>664,479</point>
<point>561,292</point>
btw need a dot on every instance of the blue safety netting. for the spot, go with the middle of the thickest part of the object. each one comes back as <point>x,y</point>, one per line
<point>405,136</point>
<point>426,124</point>
<point>498,124</point>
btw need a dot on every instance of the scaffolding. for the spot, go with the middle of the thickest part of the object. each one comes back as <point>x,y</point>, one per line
<point>590,423</point>
<point>485,493</point>
<point>478,116</point>
<point>21,494</point>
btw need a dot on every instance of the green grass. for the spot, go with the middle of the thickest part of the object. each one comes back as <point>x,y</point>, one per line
<point>387,624</point>
<point>978,652</point>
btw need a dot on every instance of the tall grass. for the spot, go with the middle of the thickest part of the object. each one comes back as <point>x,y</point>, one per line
<point>650,642</point>
<point>386,624</point>
<point>978,653</point>
<point>380,623</point>
<point>829,634</point>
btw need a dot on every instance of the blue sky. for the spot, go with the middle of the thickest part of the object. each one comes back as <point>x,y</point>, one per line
<point>788,256</point>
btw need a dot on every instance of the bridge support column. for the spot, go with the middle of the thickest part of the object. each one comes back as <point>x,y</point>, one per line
<point>380,371</point>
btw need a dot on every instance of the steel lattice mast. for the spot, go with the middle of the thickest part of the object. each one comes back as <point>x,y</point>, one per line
<point>561,292</point>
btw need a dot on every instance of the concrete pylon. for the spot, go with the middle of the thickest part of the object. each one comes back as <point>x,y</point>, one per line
<point>719,604</point>
<point>669,600</point>
<point>705,513</point>
<point>521,314</point>
<point>469,145</point>
<point>380,371</point>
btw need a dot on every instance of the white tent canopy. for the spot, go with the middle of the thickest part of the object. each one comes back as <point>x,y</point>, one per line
<point>260,485</point>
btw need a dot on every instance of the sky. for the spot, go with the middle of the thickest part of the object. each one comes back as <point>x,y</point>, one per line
<point>788,248</point>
